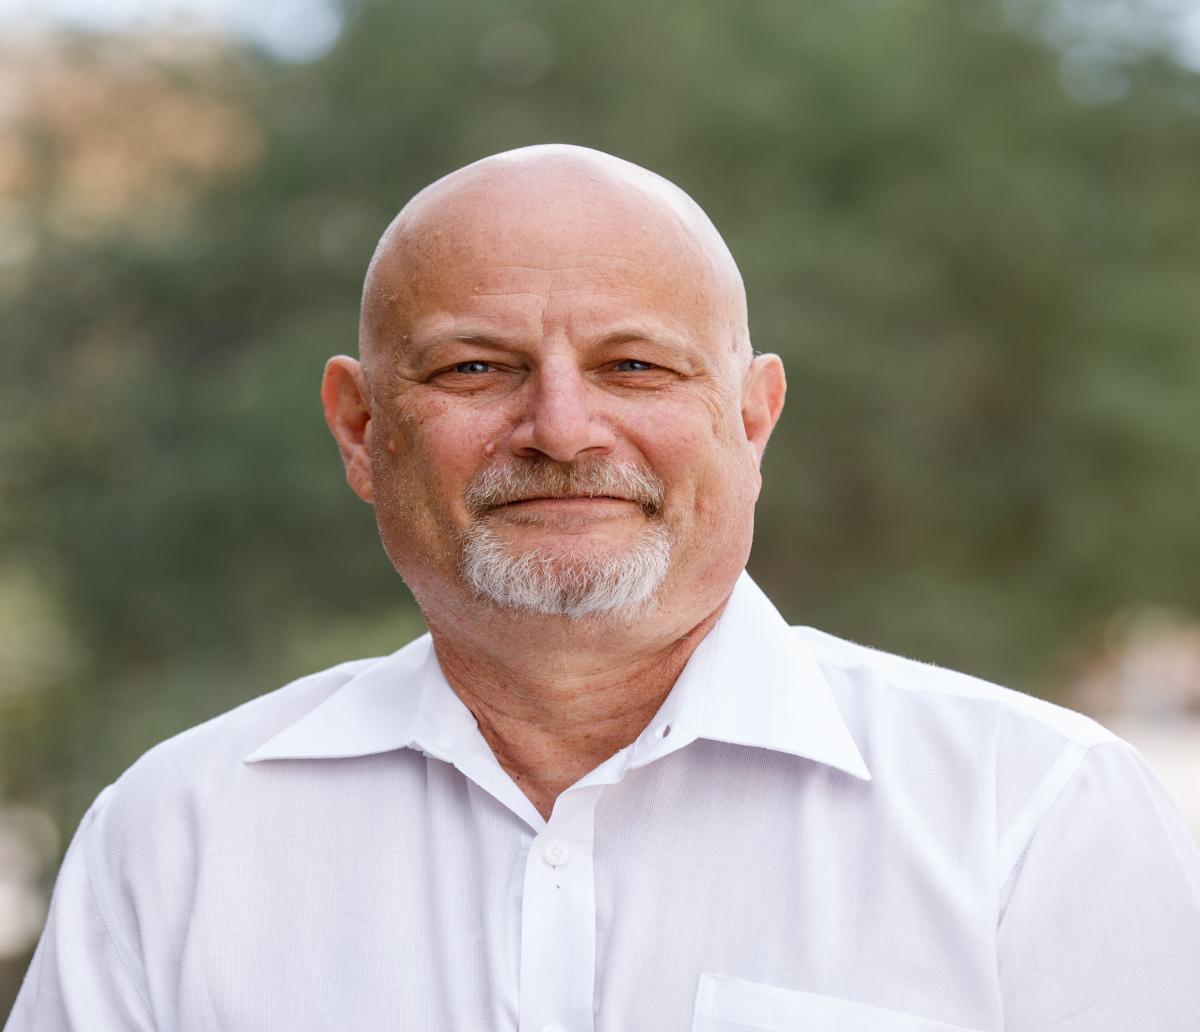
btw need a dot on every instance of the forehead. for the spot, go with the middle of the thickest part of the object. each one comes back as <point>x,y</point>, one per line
<point>575,256</point>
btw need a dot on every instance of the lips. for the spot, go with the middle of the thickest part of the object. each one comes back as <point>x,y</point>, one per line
<point>566,503</point>
<point>569,498</point>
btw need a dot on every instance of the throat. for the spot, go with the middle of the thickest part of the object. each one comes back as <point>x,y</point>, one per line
<point>552,716</point>
<point>547,745</point>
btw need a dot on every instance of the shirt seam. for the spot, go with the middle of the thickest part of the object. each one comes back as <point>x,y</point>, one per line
<point>1066,778</point>
<point>1024,827</point>
<point>102,906</point>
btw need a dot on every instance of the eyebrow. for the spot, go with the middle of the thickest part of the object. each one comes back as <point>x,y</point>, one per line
<point>420,347</point>
<point>653,333</point>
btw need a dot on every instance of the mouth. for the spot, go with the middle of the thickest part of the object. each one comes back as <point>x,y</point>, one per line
<point>573,504</point>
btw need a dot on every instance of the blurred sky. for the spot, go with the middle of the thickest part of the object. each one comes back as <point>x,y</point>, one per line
<point>304,30</point>
<point>292,30</point>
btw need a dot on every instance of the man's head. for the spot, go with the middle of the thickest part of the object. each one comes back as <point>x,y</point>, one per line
<point>557,409</point>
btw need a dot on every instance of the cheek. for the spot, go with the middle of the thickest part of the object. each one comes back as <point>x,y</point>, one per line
<point>433,451</point>
<point>712,480</point>
<point>709,438</point>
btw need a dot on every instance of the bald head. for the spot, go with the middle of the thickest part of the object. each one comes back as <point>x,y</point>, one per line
<point>528,208</point>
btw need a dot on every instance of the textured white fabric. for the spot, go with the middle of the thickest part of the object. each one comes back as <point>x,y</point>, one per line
<point>810,835</point>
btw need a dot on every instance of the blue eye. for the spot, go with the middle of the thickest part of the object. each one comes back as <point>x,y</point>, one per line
<point>473,367</point>
<point>632,365</point>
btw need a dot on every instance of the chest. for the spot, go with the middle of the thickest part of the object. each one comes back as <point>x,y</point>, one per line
<point>703,892</point>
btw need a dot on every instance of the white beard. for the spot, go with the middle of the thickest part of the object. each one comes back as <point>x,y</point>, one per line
<point>565,581</point>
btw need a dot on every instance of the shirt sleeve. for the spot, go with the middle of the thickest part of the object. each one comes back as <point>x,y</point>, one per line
<point>1100,921</point>
<point>80,978</point>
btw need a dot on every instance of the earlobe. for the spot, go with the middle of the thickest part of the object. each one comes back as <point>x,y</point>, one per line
<point>347,405</point>
<point>763,391</point>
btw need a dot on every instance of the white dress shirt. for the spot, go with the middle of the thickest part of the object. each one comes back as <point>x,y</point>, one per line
<point>810,835</point>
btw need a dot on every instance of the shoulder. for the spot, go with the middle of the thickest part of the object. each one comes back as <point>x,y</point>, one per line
<point>146,839</point>
<point>941,742</point>
<point>922,688</point>
<point>201,766</point>
<point>928,733</point>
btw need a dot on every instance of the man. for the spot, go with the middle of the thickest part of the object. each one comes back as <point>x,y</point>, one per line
<point>611,790</point>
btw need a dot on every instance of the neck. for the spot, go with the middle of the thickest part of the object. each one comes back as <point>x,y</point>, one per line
<point>555,698</point>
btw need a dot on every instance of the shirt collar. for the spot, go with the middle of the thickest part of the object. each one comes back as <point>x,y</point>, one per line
<point>374,712</point>
<point>752,681</point>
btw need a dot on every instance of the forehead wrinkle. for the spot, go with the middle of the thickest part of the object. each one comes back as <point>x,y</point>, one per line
<point>506,293</point>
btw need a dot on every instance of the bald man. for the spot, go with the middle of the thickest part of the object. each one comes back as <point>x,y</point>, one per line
<point>611,789</point>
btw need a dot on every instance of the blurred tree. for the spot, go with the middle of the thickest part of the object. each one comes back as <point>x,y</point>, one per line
<point>975,250</point>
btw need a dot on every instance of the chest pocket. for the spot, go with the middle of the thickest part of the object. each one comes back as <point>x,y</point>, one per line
<point>725,1004</point>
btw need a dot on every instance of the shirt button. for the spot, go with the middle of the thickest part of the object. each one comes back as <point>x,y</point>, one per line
<point>555,853</point>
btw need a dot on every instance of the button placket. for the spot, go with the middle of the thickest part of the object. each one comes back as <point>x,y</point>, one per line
<point>558,920</point>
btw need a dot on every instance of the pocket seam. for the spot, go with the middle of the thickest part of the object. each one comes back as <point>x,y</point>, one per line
<point>756,1005</point>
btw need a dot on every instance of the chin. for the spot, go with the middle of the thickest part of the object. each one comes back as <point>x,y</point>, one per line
<point>572,578</point>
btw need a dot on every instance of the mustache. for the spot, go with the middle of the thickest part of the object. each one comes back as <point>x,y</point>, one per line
<point>547,478</point>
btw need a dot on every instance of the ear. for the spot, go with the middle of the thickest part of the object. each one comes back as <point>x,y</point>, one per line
<point>763,391</point>
<point>347,404</point>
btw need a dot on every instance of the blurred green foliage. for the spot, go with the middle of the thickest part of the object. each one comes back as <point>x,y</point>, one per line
<point>982,279</point>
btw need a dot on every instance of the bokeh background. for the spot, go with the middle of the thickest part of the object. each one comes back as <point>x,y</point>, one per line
<point>972,230</point>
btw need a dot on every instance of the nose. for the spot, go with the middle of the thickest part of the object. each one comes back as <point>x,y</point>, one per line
<point>561,417</point>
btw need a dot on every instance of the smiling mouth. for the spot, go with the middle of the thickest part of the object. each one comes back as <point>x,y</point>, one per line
<point>568,498</point>
<point>567,503</point>
<point>572,513</point>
